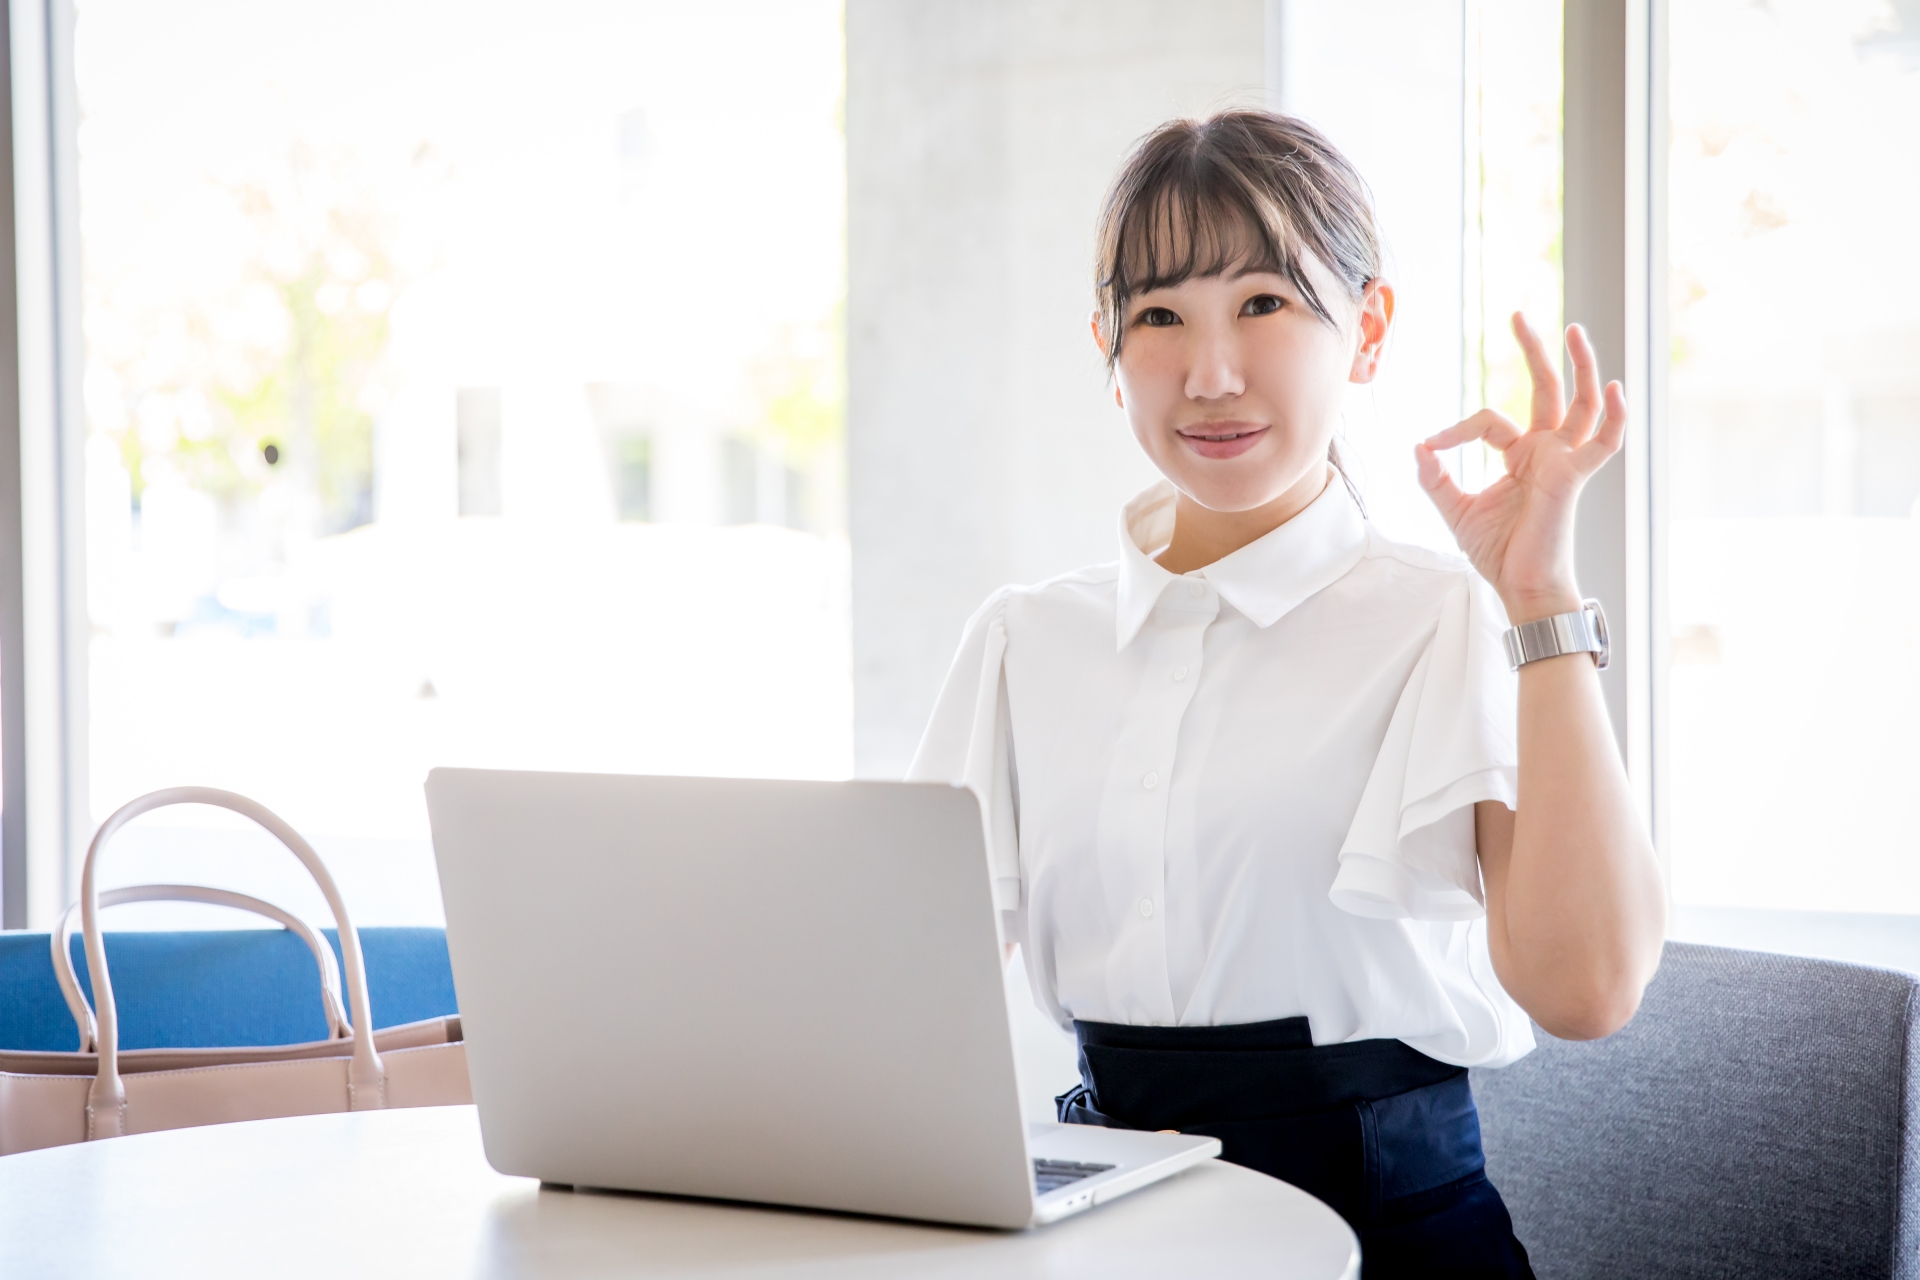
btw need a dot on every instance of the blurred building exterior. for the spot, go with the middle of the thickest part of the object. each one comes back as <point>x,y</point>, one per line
<point>462,386</point>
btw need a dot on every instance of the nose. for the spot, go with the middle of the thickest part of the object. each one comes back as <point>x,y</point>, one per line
<point>1214,369</point>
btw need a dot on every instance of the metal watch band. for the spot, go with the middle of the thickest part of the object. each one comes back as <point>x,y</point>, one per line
<point>1581,632</point>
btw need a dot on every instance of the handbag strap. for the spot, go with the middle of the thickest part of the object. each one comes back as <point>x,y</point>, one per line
<point>107,1099</point>
<point>62,940</point>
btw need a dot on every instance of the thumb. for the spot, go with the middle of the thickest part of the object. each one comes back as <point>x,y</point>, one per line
<point>1447,495</point>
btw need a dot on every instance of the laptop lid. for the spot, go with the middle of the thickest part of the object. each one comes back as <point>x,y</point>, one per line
<point>786,992</point>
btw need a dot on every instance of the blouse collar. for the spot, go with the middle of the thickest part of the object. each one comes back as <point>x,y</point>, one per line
<point>1265,579</point>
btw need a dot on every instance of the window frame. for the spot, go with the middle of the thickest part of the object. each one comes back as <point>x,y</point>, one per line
<point>1615,257</point>
<point>44,627</point>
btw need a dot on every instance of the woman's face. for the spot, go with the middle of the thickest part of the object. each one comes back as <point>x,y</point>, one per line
<point>1233,385</point>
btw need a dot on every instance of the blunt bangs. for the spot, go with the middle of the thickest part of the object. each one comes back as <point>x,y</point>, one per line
<point>1196,229</point>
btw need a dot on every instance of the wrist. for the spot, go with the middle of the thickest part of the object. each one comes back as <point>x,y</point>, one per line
<point>1531,606</point>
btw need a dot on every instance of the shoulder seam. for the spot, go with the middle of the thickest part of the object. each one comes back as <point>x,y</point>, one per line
<point>1415,557</point>
<point>1092,575</point>
<point>995,605</point>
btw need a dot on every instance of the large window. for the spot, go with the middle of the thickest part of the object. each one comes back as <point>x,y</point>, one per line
<point>462,386</point>
<point>1794,455</point>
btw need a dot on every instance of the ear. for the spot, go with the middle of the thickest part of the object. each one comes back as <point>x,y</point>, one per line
<point>1376,320</point>
<point>1100,345</point>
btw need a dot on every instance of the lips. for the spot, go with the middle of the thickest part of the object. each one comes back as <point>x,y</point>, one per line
<point>1222,439</point>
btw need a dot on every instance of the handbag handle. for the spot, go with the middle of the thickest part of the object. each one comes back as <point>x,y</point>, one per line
<point>107,1099</point>
<point>62,940</point>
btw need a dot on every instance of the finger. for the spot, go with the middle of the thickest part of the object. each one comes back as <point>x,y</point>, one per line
<point>1585,409</point>
<point>1613,429</point>
<point>1495,428</point>
<point>1547,408</point>
<point>1446,495</point>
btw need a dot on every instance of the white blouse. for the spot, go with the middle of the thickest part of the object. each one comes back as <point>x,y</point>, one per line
<point>1247,792</point>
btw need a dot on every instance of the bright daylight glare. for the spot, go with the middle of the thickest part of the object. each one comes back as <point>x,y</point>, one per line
<point>1795,456</point>
<point>463,387</point>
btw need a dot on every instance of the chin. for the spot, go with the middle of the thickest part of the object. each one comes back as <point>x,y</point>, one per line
<point>1216,490</point>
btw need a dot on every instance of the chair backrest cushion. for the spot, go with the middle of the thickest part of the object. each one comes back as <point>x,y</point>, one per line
<point>1755,1118</point>
<point>218,988</point>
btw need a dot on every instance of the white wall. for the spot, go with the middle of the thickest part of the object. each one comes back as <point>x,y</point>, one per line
<point>984,446</point>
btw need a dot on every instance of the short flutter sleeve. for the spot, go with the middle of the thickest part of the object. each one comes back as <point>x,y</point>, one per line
<point>969,742</point>
<point>1452,742</point>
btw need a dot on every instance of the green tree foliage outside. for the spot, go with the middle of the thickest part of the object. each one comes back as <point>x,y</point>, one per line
<point>295,402</point>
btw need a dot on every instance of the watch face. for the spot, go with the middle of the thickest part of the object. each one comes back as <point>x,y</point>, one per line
<point>1605,649</point>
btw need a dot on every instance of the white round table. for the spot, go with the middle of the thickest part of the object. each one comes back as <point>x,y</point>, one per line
<point>409,1194</point>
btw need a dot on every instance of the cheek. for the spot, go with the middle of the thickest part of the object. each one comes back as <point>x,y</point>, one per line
<point>1306,375</point>
<point>1149,379</point>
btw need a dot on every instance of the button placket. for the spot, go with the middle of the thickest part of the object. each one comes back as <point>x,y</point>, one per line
<point>1173,640</point>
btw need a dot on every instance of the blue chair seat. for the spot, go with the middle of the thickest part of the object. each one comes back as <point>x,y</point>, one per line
<point>218,988</point>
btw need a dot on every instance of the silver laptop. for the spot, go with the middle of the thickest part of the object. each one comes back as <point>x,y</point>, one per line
<point>783,992</point>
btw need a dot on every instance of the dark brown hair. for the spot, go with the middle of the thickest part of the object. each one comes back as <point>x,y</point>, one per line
<point>1241,190</point>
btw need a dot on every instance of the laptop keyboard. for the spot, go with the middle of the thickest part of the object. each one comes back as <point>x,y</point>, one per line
<point>1051,1175</point>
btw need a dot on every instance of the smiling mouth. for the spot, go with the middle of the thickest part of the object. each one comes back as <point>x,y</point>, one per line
<point>1215,436</point>
<point>1223,440</point>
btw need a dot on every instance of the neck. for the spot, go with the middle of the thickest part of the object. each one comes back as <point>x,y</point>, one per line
<point>1202,536</point>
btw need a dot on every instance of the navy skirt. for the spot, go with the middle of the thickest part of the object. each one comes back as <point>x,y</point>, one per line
<point>1381,1132</point>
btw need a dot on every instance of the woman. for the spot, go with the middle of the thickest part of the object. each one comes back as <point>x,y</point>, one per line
<point>1281,832</point>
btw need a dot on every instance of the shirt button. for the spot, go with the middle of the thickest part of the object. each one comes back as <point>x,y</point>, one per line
<point>1146,908</point>
<point>1151,781</point>
<point>1180,672</point>
<point>1196,589</point>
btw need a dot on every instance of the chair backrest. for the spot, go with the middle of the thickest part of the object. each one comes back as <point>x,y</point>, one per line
<point>217,987</point>
<point>1756,1118</point>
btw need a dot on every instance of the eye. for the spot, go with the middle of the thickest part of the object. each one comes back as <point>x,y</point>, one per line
<point>1157,318</point>
<point>1262,304</point>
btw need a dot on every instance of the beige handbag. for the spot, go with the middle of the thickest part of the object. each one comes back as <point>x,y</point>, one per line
<point>100,1091</point>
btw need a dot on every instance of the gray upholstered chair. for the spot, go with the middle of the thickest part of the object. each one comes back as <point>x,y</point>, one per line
<point>1757,1118</point>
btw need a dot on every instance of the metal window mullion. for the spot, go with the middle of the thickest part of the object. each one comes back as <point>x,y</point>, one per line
<point>43,622</point>
<point>70,438</point>
<point>1658,345</point>
<point>13,738</point>
<point>1613,246</point>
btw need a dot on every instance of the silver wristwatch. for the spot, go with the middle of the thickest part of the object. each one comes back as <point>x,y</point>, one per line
<point>1582,632</point>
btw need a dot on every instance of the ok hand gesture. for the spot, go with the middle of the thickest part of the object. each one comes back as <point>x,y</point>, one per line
<point>1518,531</point>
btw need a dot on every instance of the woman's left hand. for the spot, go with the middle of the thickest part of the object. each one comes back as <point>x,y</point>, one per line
<point>1518,531</point>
